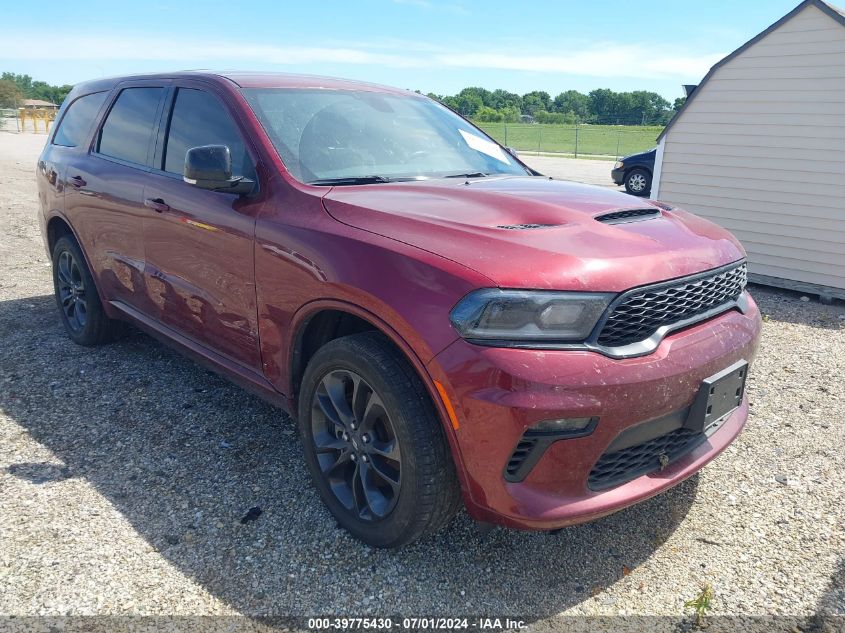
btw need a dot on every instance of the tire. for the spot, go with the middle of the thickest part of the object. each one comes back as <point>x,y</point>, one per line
<point>76,295</point>
<point>403,499</point>
<point>638,182</point>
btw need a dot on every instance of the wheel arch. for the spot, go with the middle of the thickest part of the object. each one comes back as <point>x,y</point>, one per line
<point>643,167</point>
<point>317,328</point>
<point>57,227</point>
<point>322,321</point>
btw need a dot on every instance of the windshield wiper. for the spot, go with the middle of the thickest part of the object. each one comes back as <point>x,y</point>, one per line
<point>477,174</point>
<point>351,180</point>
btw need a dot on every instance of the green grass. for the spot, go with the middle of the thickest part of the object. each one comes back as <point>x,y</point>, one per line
<point>607,140</point>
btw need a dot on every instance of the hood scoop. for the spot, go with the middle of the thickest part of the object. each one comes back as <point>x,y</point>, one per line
<point>628,215</point>
<point>525,227</point>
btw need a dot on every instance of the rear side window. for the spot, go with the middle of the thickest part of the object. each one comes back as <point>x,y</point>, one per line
<point>200,119</point>
<point>77,121</point>
<point>129,126</point>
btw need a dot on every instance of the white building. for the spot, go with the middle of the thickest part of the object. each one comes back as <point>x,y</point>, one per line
<point>759,147</point>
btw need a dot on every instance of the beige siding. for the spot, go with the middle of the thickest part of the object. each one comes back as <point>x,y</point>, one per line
<point>761,151</point>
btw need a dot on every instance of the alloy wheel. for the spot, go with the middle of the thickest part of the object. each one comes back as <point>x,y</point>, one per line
<point>637,182</point>
<point>356,445</point>
<point>72,291</point>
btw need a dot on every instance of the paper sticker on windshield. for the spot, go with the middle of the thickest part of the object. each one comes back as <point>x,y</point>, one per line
<point>485,147</point>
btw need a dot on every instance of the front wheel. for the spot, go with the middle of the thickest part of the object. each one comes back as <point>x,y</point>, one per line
<point>374,444</point>
<point>638,182</point>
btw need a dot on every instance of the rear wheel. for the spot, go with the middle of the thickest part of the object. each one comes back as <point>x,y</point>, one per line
<point>638,182</point>
<point>79,304</point>
<point>374,444</point>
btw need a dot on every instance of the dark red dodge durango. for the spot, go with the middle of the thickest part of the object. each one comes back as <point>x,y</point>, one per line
<point>446,324</point>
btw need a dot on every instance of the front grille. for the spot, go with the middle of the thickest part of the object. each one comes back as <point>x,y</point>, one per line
<point>629,215</point>
<point>642,312</point>
<point>613,469</point>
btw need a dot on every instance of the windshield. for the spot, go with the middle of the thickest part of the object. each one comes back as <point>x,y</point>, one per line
<point>348,136</point>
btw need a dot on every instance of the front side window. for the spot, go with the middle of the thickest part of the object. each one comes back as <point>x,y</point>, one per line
<point>77,121</point>
<point>129,125</point>
<point>198,119</point>
<point>323,135</point>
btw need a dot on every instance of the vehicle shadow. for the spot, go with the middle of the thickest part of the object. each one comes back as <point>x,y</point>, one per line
<point>830,610</point>
<point>184,456</point>
<point>786,306</point>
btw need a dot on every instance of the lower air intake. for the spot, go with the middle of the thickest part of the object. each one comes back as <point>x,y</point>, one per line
<point>619,467</point>
<point>520,454</point>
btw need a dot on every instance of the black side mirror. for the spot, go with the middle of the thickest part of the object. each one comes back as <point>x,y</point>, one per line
<point>210,167</point>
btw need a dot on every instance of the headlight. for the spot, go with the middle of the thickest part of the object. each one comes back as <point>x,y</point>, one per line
<point>619,165</point>
<point>528,315</point>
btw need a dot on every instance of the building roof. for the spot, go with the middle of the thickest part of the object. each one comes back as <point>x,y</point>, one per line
<point>38,103</point>
<point>834,12</point>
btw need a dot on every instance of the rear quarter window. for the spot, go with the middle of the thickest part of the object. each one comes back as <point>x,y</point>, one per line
<point>128,128</point>
<point>77,121</point>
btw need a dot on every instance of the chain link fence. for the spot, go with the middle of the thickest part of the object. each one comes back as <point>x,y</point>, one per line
<point>600,141</point>
<point>605,141</point>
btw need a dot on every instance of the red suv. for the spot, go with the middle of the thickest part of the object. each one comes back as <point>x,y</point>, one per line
<point>445,323</point>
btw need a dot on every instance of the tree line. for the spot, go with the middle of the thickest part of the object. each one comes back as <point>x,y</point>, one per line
<point>15,88</point>
<point>601,106</point>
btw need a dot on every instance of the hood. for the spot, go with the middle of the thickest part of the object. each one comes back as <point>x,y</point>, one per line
<point>533,232</point>
<point>649,154</point>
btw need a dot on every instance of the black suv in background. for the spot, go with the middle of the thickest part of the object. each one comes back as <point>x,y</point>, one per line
<point>635,172</point>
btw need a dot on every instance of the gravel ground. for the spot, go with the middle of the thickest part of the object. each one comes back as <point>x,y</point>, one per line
<point>125,471</point>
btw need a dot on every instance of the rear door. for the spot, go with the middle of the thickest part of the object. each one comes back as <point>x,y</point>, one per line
<point>70,137</point>
<point>199,244</point>
<point>104,191</point>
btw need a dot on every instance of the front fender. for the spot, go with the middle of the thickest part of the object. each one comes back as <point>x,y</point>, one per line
<point>437,391</point>
<point>386,321</point>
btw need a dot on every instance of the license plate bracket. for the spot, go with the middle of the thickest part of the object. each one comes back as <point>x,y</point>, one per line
<point>718,396</point>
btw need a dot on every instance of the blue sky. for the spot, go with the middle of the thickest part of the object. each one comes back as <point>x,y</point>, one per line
<point>431,45</point>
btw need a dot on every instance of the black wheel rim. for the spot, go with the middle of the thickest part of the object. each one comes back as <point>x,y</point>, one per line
<point>72,291</point>
<point>356,444</point>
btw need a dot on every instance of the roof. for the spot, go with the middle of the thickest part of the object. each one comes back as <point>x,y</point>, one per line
<point>288,80</point>
<point>247,79</point>
<point>38,103</point>
<point>834,12</point>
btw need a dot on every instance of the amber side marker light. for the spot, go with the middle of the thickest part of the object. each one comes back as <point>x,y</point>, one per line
<point>448,404</point>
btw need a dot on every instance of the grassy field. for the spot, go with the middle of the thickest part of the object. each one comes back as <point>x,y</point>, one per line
<point>607,140</point>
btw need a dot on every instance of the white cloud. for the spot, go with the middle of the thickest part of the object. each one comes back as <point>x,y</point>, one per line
<point>599,60</point>
<point>607,60</point>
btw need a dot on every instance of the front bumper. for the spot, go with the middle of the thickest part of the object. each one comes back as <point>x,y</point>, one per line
<point>500,392</point>
<point>618,176</point>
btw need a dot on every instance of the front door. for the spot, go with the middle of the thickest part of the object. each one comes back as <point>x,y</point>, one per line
<point>199,256</point>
